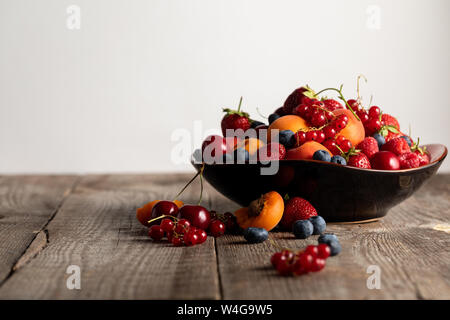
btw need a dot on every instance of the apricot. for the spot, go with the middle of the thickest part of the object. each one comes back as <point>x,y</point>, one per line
<point>305,151</point>
<point>264,212</point>
<point>354,131</point>
<point>144,213</point>
<point>251,145</point>
<point>289,122</point>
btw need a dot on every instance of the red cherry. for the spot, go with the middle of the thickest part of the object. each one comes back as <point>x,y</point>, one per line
<point>385,160</point>
<point>167,225</point>
<point>353,104</point>
<point>323,251</point>
<point>363,116</point>
<point>372,126</point>
<point>311,136</point>
<point>318,119</point>
<point>214,145</point>
<point>320,136</point>
<point>317,264</point>
<point>167,208</point>
<point>312,250</point>
<point>216,228</point>
<point>202,236</point>
<point>230,222</point>
<point>374,112</point>
<point>329,132</point>
<point>156,232</point>
<point>277,258</point>
<point>301,110</point>
<point>198,216</point>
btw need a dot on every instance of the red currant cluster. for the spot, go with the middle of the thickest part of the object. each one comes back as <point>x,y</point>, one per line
<point>312,259</point>
<point>221,223</point>
<point>371,119</point>
<point>178,232</point>
<point>328,126</point>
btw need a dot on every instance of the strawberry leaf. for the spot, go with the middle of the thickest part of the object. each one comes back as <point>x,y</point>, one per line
<point>392,128</point>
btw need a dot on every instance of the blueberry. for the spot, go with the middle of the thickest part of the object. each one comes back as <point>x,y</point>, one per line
<point>319,224</point>
<point>241,155</point>
<point>380,139</point>
<point>256,123</point>
<point>335,247</point>
<point>273,117</point>
<point>408,140</point>
<point>302,229</point>
<point>322,155</point>
<point>256,235</point>
<point>327,237</point>
<point>338,160</point>
<point>286,138</point>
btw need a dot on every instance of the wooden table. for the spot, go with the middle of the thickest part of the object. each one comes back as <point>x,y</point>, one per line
<point>48,223</point>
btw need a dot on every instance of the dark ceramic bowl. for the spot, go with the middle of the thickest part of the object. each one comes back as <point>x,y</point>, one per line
<point>339,193</point>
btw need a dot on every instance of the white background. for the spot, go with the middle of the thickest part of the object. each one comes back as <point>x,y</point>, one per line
<point>107,97</point>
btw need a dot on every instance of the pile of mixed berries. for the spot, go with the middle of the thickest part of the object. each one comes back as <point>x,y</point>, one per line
<point>310,127</point>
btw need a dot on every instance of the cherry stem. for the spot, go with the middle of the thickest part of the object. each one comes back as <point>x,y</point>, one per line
<point>201,184</point>
<point>357,88</point>
<point>341,96</point>
<point>190,181</point>
<point>162,217</point>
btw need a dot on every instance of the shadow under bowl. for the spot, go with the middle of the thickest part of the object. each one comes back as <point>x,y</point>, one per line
<point>339,193</point>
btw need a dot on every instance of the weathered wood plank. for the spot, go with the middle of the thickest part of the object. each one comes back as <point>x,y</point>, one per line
<point>96,230</point>
<point>26,205</point>
<point>414,259</point>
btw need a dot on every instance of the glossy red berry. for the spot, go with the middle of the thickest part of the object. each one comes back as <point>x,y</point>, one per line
<point>176,241</point>
<point>217,228</point>
<point>288,254</point>
<point>345,145</point>
<point>311,135</point>
<point>320,136</point>
<point>300,138</point>
<point>330,144</point>
<point>329,131</point>
<point>167,225</point>
<point>306,261</point>
<point>190,238</point>
<point>317,265</point>
<point>374,112</point>
<point>284,268</point>
<point>312,250</point>
<point>372,126</point>
<point>301,110</point>
<point>318,119</point>
<point>277,258</point>
<point>156,232</point>
<point>198,216</point>
<point>202,236</point>
<point>323,251</point>
<point>298,268</point>
<point>363,116</point>
<point>164,208</point>
<point>339,124</point>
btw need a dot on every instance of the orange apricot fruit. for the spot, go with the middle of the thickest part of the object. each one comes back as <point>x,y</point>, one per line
<point>250,144</point>
<point>144,213</point>
<point>264,212</point>
<point>354,131</point>
<point>305,151</point>
<point>289,122</point>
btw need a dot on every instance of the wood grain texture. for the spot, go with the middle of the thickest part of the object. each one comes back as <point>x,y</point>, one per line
<point>96,229</point>
<point>26,205</point>
<point>413,258</point>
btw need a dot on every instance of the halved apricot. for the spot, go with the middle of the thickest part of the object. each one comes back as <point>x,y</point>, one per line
<point>264,212</point>
<point>305,151</point>
<point>354,131</point>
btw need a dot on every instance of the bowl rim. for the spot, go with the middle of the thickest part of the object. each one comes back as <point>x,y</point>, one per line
<point>287,161</point>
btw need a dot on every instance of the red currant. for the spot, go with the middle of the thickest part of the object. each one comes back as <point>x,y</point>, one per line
<point>288,254</point>
<point>320,136</point>
<point>329,115</point>
<point>216,228</point>
<point>344,117</point>
<point>191,238</point>
<point>277,258</point>
<point>353,104</point>
<point>300,138</point>
<point>167,225</point>
<point>202,236</point>
<point>156,232</point>
<point>345,145</point>
<point>330,144</point>
<point>306,261</point>
<point>374,112</point>
<point>363,116</point>
<point>284,268</point>
<point>317,264</point>
<point>301,110</point>
<point>339,124</point>
<point>311,136</point>
<point>323,251</point>
<point>312,250</point>
<point>329,132</point>
<point>372,126</point>
<point>176,241</point>
<point>298,269</point>
<point>230,222</point>
<point>318,120</point>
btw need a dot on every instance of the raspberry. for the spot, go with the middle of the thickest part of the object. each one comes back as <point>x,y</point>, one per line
<point>423,157</point>
<point>369,146</point>
<point>409,160</point>
<point>397,146</point>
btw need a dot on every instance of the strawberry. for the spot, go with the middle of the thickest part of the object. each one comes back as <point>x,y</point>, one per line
<point>369,146</point>
<point>409,160</point>
<point>331,104</point>
<point>397,146</point>
<point>359,160</point>
<point>235,119</point>
<point>424,157</point>
<point>295,98</point>
<point>295,209</point>
<point>390,120</point>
